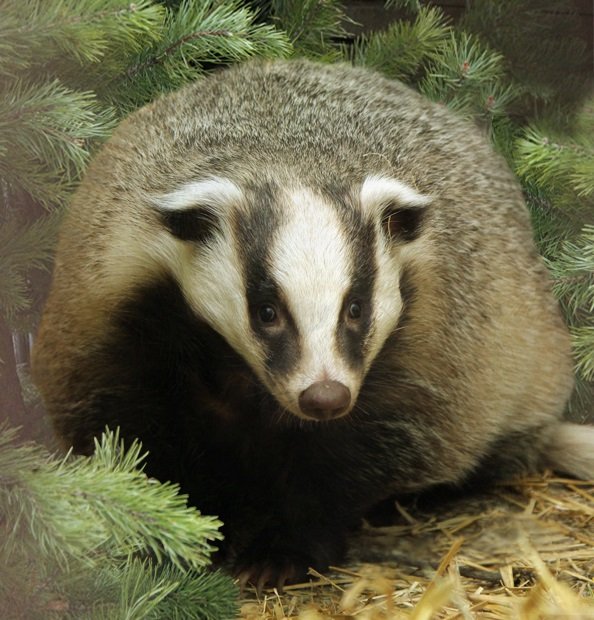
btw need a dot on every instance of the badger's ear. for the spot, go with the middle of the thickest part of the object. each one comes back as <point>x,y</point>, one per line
<point>399,207</point>
<point>193,224</point>
<point>193,212</point>
<point>401,223</point>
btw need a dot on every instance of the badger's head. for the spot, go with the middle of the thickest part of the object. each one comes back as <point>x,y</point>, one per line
<point>302,283</point>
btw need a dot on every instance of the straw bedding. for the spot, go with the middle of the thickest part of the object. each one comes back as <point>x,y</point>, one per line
<point>524,550</point>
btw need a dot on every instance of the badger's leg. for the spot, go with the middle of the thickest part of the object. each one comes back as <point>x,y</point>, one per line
<point>282,513</point>
<point>281,554</point>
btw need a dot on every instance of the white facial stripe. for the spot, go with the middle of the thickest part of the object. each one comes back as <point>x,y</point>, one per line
<point>310,262</point>
<point>377,191</point>
<point>215,192</point>
<point>387,303</point>
<point>210,275</point>
<point>213,284</point>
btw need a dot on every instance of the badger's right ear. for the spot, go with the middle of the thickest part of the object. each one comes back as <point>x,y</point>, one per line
<point>194,211</point>
<point>400,208</point>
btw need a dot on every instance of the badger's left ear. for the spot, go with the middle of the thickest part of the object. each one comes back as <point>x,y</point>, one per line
<point>399,207</point>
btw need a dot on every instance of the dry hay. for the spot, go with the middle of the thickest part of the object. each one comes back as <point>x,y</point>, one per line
<point>525,552</point>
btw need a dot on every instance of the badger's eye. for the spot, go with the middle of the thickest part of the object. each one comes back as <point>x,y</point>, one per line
<point>267,314</point>
<point>354,310</point>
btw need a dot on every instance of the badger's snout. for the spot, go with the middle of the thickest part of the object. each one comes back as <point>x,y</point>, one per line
<point>325,400</point>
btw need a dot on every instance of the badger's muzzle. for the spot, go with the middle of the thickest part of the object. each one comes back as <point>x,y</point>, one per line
<point>325,400</point>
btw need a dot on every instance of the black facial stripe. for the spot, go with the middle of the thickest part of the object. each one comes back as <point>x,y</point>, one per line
<point>255,233</point>
<point>194,224</point>
<point>408,293</point>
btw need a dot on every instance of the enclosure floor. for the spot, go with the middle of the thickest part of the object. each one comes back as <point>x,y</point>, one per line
<point>525,551</point>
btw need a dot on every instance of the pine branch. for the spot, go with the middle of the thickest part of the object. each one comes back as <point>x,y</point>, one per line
<point>573,273</point>
<point>147,592</point>
<point>23,248</point>
<point>583,345</point>
<point>197,34</point>
<point>542,49</point>
<point>405,49</point>
<point>35,32</point>
<point>414,6</point>
<point>553,164</point>
<point>558,169</point>
<point>311,25</point>
<point>44,134</point>
<point>197,596</point>
<point>446,65</point>
<point>93,537</point>
<point>468,76</point>
<point>557,164</point>
<point>81,507</point>
<point>466,60</point>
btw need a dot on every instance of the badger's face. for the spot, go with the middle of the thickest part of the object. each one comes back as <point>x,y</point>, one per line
<point>302,283</point>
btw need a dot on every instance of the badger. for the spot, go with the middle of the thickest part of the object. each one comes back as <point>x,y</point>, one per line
<point>306,289</point>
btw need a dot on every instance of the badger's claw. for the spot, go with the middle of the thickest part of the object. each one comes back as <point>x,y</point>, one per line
<point>271,573</point>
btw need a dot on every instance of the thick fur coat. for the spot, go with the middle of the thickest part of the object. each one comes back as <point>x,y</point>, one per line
<point>278,226</point>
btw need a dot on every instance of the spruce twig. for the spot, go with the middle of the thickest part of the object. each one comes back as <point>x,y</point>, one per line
<point>196,34</point>
<point>23,248</point>
<point>104,537</point>
<point>312,25</point>
<point>45,129</point>
<point>35,32</point>
<point>80,507</point>
<point>405,49</point>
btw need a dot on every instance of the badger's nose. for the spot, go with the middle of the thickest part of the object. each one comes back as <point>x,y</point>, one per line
<point>325,400</point>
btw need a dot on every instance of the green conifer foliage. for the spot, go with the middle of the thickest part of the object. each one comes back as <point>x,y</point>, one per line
<point>543,53</point>
<point>556,168</point>
<point>197,34</point>
<point>405,49</point>
<point>312,25</point>
<point>93,537</point>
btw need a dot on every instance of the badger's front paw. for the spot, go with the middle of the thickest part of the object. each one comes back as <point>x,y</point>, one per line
<point>274,569</point>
